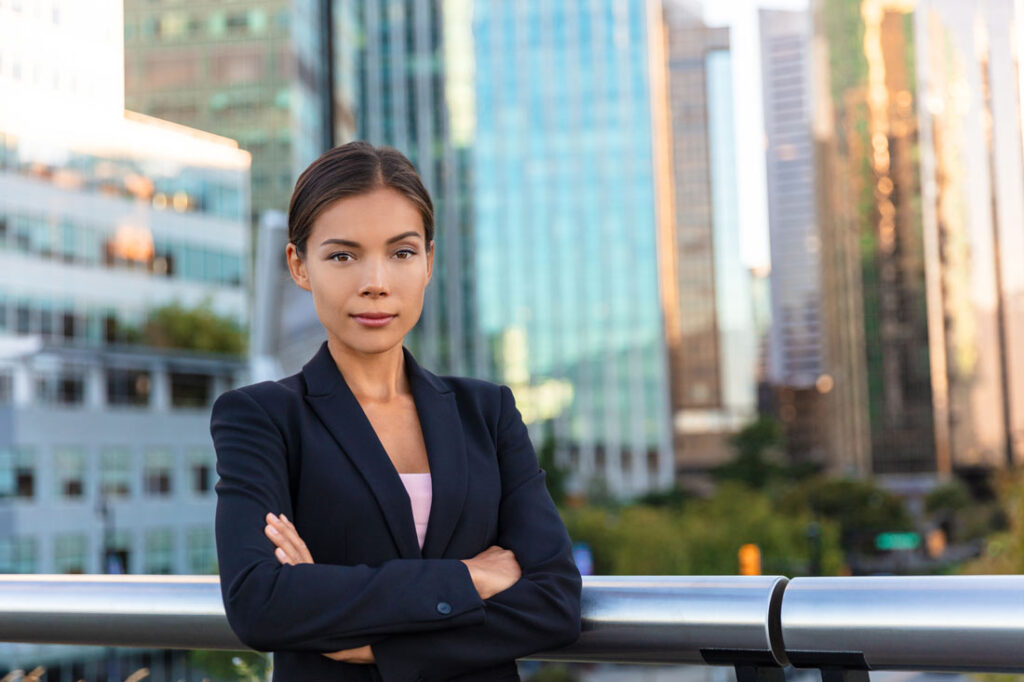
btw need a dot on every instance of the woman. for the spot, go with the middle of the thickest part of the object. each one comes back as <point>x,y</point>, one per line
<point>376,521</point>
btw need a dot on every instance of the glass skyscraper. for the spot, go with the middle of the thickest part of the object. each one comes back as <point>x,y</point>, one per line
<point>922,226</point>
<point>566,229</point>
<point>795,351</point>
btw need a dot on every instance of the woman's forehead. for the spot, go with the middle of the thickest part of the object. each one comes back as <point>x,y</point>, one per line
<point>374,217</point>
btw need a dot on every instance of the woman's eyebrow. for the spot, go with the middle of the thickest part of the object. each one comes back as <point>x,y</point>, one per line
<point>348,242</point>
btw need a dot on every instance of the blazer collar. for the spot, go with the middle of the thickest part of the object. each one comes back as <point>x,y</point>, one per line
<point>336,406</point>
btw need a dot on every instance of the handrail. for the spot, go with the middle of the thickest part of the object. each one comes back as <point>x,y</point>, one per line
<point>949,623</point>
<point>756,623</point>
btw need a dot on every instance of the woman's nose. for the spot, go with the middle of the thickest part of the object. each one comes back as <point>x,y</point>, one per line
<point>375,282</point>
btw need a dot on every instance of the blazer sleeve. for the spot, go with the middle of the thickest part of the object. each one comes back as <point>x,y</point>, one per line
<point>540,612</point>
<point>311,607</point>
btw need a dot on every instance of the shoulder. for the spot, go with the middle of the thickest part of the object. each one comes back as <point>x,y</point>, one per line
<point>272,396</point>
<point>470,387</point>
<point>495,401</point>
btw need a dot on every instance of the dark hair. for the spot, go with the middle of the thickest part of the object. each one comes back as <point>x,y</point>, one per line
<point>347,170</point>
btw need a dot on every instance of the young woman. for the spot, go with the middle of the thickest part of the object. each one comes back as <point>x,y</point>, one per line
<point>376,521</point>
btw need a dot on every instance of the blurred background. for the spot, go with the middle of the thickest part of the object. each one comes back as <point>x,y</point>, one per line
<point>754,270</point>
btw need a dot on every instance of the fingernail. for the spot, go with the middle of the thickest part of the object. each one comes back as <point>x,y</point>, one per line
<point>284,517</point>
<point>279,552</point>
<point>273,531</point>
<point>271,517</point>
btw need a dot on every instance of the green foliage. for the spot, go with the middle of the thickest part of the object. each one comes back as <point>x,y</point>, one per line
<point>199,329</point>
<point>231,666</point>
<point>701,536</point>
<point>860,507</point>
<point>673,497</point>
<point>555,475</point>
<point>954,508</point>
<point>948,497</point>
<point>1004,551</point>
<point>751,466</point>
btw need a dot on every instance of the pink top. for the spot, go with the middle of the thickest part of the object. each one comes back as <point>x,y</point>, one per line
<point>420,495</point>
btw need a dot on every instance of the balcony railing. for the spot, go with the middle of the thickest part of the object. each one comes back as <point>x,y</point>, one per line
<point>759,624</point>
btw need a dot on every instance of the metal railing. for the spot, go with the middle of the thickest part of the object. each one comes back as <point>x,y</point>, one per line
<point>842,626</point>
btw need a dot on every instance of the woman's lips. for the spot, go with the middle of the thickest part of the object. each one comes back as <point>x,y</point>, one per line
<point>373,321</point>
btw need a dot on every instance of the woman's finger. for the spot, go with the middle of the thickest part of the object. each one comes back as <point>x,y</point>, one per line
<point>281,545</point>
<point>293,536</point>
<point>287,538</point>
<point>280,536</point>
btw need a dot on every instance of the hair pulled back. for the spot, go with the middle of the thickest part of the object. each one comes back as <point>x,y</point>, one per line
<point>347,170</point>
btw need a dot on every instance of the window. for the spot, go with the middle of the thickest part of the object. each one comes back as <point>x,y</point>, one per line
<point>157,473</point>
<point>69,472</point>
<point>159,551</point>
<point>115,472</point>
<point>212,267</point>
<point>69,553</point>
<point>237,22</point>
<point>22,318</point>
<point>61,387</point>
<point>17,473</point>
<point>232,270</point>
<point>45,319</point>
<point>200,470</point>
<point>72,325</point>
<point>201,557</point>
<point>117,552</point>
<point>17,555</point>
<point>190,390</point>
<point>128,387</point>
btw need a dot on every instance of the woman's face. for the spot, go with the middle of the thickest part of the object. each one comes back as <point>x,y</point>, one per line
<point>366,254</point>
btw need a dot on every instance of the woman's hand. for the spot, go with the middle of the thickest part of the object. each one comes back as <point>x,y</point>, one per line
<point>290,549</point>
<point>493,570</point>
<point>362,654</point>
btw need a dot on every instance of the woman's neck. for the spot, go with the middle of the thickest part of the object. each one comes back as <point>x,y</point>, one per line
<point>372,377</point>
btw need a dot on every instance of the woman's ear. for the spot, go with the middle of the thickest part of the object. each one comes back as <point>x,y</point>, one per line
<point>297,266</point>
<point>430,260</point>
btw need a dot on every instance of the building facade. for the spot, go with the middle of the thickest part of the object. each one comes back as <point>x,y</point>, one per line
<point>918,128</point>
<point>715,368</point>
<point>795,368</point>
<point>106,463</point>
<point>250,72</point>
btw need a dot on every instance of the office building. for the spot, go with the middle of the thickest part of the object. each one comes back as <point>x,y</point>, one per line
<point>714,370</point>
<point>917,125</point>
<point>106,463</point>
<point>795,368</point>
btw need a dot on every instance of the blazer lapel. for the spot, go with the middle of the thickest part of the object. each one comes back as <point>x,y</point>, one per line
<point>342,415</point>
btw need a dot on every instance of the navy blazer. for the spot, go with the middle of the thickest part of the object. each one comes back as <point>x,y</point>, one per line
<point>303,446</point>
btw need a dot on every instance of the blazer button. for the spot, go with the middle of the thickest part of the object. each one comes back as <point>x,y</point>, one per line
<point>444,607</point>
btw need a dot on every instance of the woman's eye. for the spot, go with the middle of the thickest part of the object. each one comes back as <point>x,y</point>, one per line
<point>409,253</point>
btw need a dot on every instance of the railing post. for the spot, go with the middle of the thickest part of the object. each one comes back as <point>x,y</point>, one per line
<point>759,673</point>
<point>843,675</point>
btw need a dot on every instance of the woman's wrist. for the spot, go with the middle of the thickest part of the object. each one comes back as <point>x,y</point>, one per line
<point>472,576</point>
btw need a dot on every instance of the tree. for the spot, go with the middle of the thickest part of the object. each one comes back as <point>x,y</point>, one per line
<point>1004,551</point>
<point>860,507</point>
<point>555,474</point>
<point>702,536</point>
<point>199,329</point>
<point>750,465</point>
